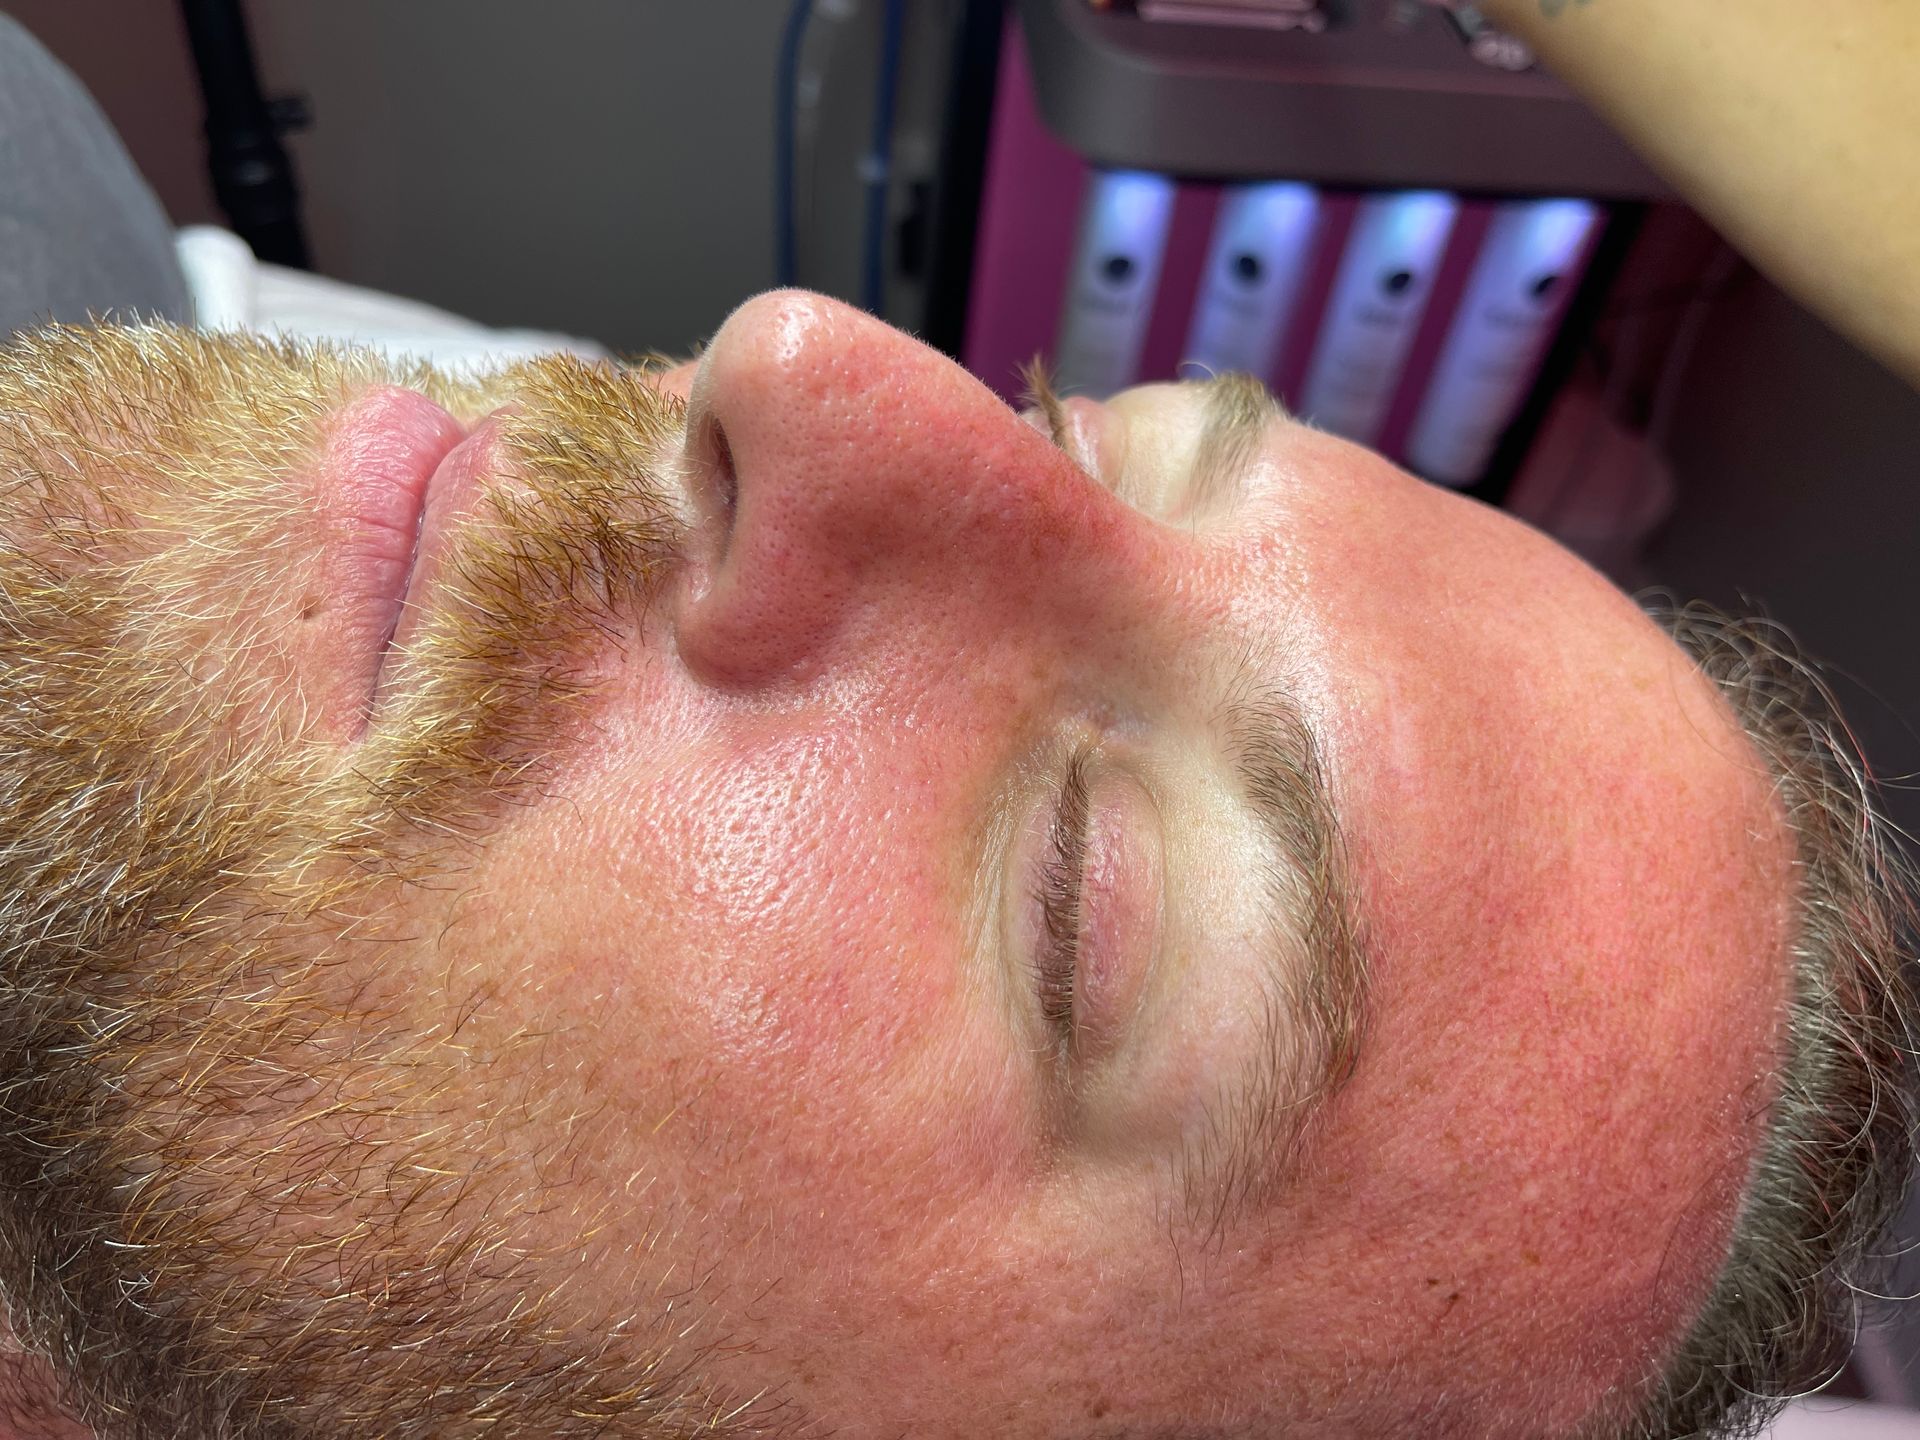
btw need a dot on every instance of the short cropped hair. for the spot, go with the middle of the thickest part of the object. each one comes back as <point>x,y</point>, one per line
<point>1833,1168</point>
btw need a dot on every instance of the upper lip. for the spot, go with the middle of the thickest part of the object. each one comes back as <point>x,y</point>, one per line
<point>447,491</point>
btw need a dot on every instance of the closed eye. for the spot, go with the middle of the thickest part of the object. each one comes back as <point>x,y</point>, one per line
<point>1062,879</point>
<point>1236,411</point>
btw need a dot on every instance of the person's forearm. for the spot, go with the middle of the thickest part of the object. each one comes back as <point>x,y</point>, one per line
<point>1794,127</point>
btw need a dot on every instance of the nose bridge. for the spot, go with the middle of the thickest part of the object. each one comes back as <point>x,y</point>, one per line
<point>874,483</point>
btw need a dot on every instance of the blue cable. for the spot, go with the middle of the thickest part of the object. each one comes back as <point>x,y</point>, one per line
<point>786,100</point>
<point>879,162</point>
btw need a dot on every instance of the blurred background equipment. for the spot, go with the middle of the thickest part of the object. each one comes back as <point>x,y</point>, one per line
<point>1389,214</point>
<point>1251,281</point>
<point>250,171</point>
<point>1387,271</point>
<point>1389,309</point>
<point>1532,255</point>
<point>1112,281</point>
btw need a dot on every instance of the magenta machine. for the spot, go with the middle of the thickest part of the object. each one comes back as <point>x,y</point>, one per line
<point>1384,211</point>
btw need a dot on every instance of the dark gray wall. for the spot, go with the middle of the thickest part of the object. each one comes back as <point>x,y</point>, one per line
<point>597,166</point>
<point>1798,462</point>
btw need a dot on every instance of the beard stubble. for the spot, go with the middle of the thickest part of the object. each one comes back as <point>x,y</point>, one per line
<point>274,1159</point>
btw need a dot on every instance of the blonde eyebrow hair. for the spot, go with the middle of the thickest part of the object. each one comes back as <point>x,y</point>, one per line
<point>1317,976</point>
<point>1239,409</point>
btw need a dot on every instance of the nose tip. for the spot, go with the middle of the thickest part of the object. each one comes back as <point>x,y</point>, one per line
<point>848,476</point>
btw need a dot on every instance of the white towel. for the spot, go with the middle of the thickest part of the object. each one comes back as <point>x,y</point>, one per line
<point>1819,1418</point>
<point>232,290</point>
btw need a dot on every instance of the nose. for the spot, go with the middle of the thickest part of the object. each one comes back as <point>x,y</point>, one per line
<point>859,486</point>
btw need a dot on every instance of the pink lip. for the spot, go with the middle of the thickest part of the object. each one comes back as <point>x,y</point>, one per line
<point>383,458</point>
<point>449,495</point>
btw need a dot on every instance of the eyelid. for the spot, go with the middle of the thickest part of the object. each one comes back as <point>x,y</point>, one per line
<point>1094,877</point>
<point>1089,427</point>
<point>1186,464</point>
<point>1084,431</point>
<point>1169,454</point>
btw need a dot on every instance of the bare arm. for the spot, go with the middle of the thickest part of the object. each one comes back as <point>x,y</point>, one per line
<point>1794,125</point>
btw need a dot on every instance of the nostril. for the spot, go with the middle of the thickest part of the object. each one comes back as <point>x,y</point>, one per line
<point>725,480</point>
<point>719,483</point>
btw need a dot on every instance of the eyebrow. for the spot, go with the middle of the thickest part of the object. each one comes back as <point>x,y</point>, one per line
<point>1315,976</point>
<point>1239,409</point>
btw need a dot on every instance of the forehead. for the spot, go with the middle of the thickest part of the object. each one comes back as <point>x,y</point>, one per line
<point>1574,875</point>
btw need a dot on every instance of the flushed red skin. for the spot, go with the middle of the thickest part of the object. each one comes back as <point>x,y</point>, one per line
<point>1576,881</point>
<point>762,906</point>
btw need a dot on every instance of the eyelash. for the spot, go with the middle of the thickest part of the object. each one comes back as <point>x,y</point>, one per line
<point>1056,967</point>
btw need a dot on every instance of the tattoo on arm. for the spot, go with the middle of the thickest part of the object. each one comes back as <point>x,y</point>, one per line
<point>1553,9</point>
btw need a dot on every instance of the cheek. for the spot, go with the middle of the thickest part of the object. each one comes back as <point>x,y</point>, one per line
<point>770,934</point>
<point>798,945</point>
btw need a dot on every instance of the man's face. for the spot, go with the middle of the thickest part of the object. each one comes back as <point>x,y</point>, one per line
<point>805,896</point>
